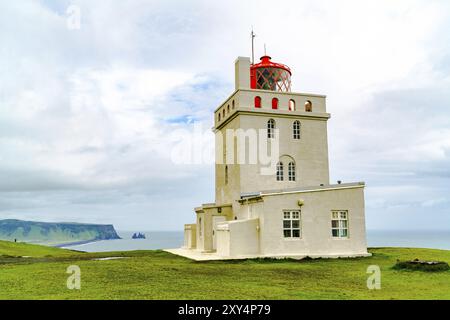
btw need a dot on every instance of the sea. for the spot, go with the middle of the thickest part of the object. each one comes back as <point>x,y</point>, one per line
<point>174,239</point>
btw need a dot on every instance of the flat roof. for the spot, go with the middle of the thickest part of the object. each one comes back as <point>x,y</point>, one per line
<point>258,194</point>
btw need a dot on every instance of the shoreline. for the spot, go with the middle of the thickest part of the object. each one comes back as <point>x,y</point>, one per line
<point>79,243</point>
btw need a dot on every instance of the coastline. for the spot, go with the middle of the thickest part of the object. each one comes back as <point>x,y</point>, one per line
<point>77,243</point>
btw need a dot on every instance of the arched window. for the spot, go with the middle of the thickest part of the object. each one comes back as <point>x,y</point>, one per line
<point>232,105</point>
<point>308,106</point>
<point>223,113</point>
<point>257,102</point>
<point>271,129</point>
<point>226,174</point>
<point>291,105</point>
<point>219,117</point>
<point>228,108</point>
<point>274,103</point>
<point>280,176</point>
<point>291,171</point>
<point>296,130</point>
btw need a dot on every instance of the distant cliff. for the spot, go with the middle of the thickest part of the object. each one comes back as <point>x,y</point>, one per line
<point>54,233</point>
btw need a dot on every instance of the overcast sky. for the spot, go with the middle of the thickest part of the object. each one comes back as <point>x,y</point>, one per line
<point>88,116</point>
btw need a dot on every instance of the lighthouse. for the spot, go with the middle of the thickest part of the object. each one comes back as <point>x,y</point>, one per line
<point>285,207</point>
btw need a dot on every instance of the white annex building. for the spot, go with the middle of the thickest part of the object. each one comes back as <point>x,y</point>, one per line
<point>292,210</point>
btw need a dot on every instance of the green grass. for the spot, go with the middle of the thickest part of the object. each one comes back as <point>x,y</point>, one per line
<point>30,250</point>
<point>160,275</point>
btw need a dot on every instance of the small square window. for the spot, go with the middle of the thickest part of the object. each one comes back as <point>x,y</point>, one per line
<point>339,224</point>
<point>291,224</point>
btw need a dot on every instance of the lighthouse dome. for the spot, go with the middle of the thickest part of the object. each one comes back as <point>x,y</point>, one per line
<point>268,75</point>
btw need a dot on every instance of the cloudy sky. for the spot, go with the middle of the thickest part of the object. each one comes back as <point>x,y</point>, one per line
<point>89,116</point>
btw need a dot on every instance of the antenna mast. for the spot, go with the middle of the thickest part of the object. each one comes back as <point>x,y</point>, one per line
<point>253,46</point>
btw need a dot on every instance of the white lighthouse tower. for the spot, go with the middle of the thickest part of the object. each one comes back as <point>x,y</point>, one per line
<point>285,208</point>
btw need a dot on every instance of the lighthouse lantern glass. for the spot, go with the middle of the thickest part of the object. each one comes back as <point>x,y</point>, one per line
<point>274,79</point>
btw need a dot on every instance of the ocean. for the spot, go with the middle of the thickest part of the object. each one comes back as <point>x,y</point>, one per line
<point>174,239</point>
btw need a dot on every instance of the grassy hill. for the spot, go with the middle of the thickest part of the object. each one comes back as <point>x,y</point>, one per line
<point>160,275</point>
<point>11,249</point>
<point>54,233</point>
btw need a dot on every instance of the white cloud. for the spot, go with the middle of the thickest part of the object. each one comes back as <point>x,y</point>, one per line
<point>95,111</point>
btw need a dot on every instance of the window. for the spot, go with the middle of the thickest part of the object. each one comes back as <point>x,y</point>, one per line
<point>226,174</point>
<point>308,106</point>
<point>291,105</point>
<point>219,116</point>
<point>257,102</point>
<point>339,224</point>
<point>232,105</point>
<point>280,176</point>
<point>291,171</point>
<point>291,224</point>
<point>271,129</point>
<point>223,113</point>
<point>296,130</point>
<point>228,108</point>
<point>274,103</point>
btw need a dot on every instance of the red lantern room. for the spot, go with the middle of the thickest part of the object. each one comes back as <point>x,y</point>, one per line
<point>268,75</point>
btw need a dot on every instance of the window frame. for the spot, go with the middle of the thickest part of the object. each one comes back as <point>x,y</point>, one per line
<point>226,175</point>
<point>271,127</point>
<point>291,229</point>
<point>340,223</point>
<point>258,102</point>
<point>280,171</point>
<point>292,174</point>
<point>297,130</point>
<point>292,105</point>
<point>275,103</point>
<point>308,106</point>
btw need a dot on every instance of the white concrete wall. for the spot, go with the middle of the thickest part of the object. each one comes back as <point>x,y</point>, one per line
<point>226,193</point>
<point>238,238</point>
<point>223,240</point>
<point>242,73</point>
<point>310,154</point>
<point>316,223</point>
<point>190,236</point>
